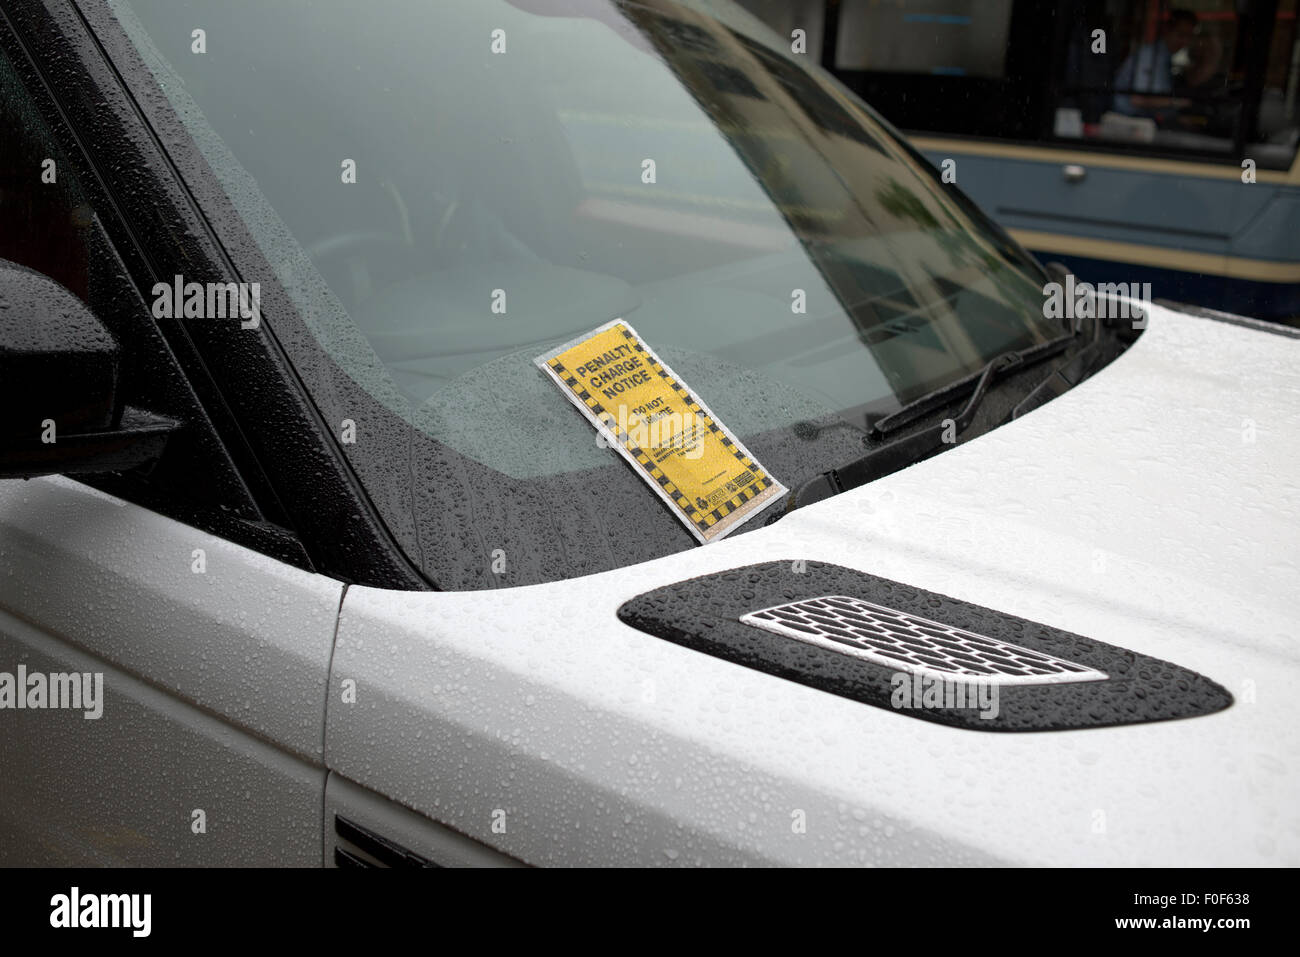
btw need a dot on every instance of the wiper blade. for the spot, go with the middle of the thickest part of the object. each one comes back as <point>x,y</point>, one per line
<point>889,458</point>
<point>949,393</point>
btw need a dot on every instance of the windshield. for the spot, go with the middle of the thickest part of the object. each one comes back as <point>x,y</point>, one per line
<point>448,190</point>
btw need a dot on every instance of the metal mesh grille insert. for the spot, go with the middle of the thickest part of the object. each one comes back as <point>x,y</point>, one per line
<point>902,641</point>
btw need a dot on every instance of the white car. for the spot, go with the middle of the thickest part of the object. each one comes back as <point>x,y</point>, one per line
<point>329,533</point>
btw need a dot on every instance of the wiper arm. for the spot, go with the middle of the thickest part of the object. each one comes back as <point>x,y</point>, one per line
<point>948,394</point>
<point>899,454</point>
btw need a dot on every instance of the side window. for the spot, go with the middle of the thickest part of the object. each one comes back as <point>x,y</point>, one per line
<point>49,222</point>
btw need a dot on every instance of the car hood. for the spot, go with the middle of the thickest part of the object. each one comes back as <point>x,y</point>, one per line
<point>1155,507</point>
<point>1166,489</point>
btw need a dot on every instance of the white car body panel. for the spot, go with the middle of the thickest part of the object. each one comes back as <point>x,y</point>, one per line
<point>214,688</point>
<point>123,790</point>
<point>248,638</point>
<point>1155,507</point>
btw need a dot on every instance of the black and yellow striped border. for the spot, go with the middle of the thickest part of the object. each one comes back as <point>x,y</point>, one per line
<point>703,518</point>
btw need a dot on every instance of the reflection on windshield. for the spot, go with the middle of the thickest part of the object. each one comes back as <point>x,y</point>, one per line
<point>634,159</point>
<point>918,284</point>
<point>447,190</point>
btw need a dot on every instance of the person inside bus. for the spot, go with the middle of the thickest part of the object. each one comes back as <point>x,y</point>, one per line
<point>1150,69</point>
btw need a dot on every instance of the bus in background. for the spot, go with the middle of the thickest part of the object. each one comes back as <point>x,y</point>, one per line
<point>1132,140</point>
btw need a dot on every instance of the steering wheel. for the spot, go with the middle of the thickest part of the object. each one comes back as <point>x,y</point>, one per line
<point>352,241</point>
<point>355,241</point>
<point>451,210</point>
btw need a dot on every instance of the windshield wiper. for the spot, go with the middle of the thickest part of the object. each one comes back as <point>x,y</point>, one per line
<point>899,454</point>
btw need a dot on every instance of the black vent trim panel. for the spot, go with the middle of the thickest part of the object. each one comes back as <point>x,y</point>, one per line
<point>834,628</point>
<point>360,847</point>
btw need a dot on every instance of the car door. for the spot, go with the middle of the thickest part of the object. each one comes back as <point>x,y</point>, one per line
<point>201,663</point>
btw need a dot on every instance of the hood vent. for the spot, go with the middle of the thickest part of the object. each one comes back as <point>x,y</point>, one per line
<point>917,653</point>
<point>896,639</point>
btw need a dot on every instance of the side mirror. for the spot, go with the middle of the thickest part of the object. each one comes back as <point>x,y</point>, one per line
<point>59,412</point>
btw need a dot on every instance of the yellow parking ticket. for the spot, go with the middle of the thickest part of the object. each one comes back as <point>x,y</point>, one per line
<point>668,435</point>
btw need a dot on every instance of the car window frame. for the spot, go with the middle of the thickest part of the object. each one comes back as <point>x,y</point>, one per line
<point>198,477</point>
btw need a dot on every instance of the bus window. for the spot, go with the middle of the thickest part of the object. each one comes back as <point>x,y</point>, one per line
<point>1141,72</point>
<point>946,37</point>
<point>965,67</point>
<point>1207,78</point>
<point>1202,80</point>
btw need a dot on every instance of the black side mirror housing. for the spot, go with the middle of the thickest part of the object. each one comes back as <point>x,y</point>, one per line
<point>59,412</point>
